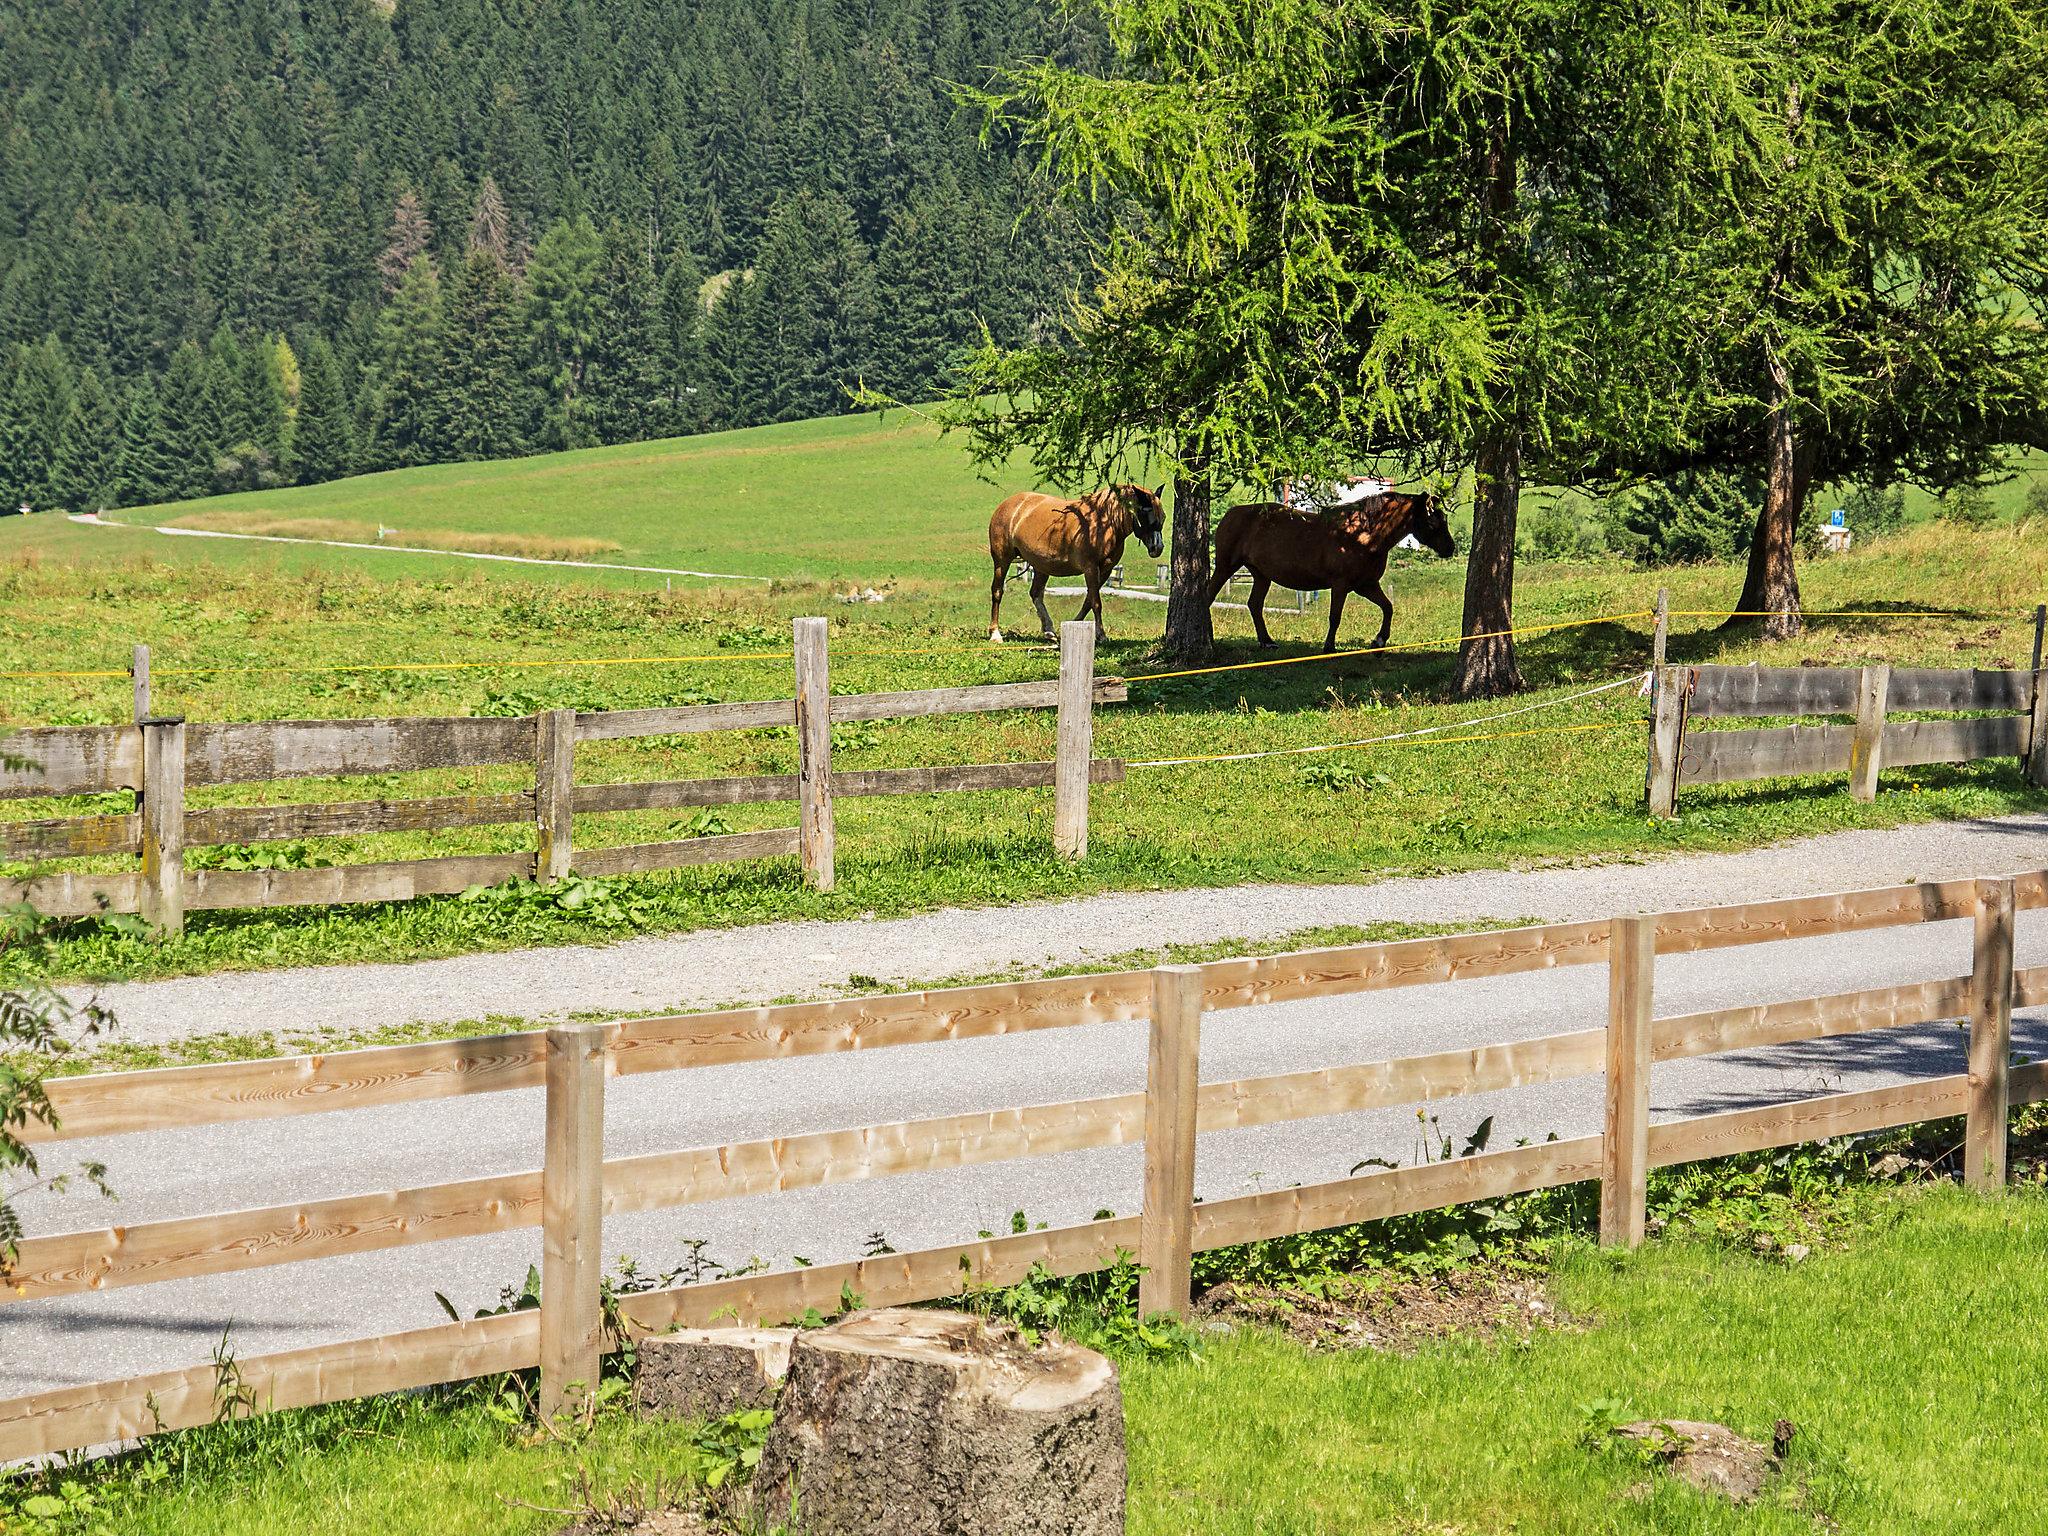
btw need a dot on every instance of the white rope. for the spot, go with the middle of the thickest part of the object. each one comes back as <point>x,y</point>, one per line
<point>1634,679</point>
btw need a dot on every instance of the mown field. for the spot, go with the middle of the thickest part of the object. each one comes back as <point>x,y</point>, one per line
<point>1904,1352</point>
<point>251,631</point>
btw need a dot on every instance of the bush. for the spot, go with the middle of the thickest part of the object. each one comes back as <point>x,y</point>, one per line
<point>1566,527</point>
<point>1873,511</point>
<point>1968,506</point>
<point>1689,519</point>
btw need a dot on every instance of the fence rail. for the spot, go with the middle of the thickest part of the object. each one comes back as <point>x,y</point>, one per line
<point>576,1187</point>
<point>160,760</point>
<point>1680,756</point>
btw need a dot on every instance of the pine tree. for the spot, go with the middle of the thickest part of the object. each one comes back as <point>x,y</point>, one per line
<point>490,224</point>
<point>484,404</point>
<point>409,240</point>
<point>686,387</point>
<point>561,325</point>
<point>408,348</point>
<point>39,407</point>
<point>263,395</point>
<point>144,471</point>
<point>622,386</point>
<point>82,479</point>
<point>323,429</point>
<point>226,397</point>
<point>186,426</point>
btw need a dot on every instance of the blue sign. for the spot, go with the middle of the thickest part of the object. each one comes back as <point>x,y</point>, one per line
<point>1838,519</point>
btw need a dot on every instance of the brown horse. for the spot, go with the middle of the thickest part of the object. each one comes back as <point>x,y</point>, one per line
<point>1343,549</point>
<point>1083,536</point>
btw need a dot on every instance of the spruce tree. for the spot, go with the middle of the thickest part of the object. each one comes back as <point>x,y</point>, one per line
<point>186,426</point>
<point>226,392</point>
<point>484,405</point>
<point>323,429</point>
<point>82,479</point>
<point>40,406</point>
<point>622,385</point>
<point>263,395</point>
<point>561,326</point>
<point>686,386</point>
<point>409,240</point>
<point>408,350</point>
<point>143,469</point>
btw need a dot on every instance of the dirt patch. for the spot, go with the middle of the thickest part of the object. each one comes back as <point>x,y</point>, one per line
<point>653,1522</point>
<point>345,531</point>
<point>1390,1312</point>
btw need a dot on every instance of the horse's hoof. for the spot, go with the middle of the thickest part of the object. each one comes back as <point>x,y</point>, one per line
<point>995,637</point>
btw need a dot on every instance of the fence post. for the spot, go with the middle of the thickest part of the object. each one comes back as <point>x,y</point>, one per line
<point>1866,747</point>
<point>2040,625</point>
<point>1625,1140</point>
<point>2037,732</point>
<point>554,792</point>
<point>814,753</point>
<point>1076,749</point>
<point>1990,1037</point>
<point>572,1218</point>
<point>1172,1088</point>
<point>163,824</point>
<point>1660,632</point>
<point>1667,740</point>
<point>138,668</point>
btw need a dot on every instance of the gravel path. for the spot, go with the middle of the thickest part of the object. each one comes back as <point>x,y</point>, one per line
<point>680,972</point>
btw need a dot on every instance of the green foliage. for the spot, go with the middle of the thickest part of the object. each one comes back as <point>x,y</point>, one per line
<point>405,427</point>
<point>323,431</point>
<point>82,479</point>
<point>1688,519</point>
<point>1562,527</point>
<point>1967,506</point>
<point>1874,511</point>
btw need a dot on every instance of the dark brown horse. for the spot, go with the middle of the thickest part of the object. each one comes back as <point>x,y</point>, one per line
<point>1343,550</point>
<point>1070,536</point>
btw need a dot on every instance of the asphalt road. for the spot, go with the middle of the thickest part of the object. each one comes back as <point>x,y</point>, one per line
<point>121,1332</point>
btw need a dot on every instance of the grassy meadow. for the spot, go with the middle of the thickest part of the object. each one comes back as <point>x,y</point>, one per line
<point>260,630</point>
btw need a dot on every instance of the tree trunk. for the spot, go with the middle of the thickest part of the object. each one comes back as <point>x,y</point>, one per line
<point>1771,587</point>
<point>1189,635</point>
<point>1486,666</point>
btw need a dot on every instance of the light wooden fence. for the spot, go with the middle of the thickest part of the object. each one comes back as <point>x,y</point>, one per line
<point>159,759</point>
<point>2010,720</point>
<point>576,1187</point>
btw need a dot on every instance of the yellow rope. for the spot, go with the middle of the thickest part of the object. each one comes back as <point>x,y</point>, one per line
<point>1815,613</point>
<point>1407,645</point>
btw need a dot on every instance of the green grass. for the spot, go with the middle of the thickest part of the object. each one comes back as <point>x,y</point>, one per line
<point>1906,1353</point>
<point>1908,1360</point>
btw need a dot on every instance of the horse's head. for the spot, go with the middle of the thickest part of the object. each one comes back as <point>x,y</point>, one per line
<point>1426,521</point>
<point>1148,515</point>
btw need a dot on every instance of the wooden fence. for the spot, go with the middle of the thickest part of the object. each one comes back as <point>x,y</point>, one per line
<point>160,758</point>
<point>576,1187</point>
<point>2010,720</point>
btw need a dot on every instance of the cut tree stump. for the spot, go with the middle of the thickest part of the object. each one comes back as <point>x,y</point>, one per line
<point>706,1373</point>
<point>906,1422</point>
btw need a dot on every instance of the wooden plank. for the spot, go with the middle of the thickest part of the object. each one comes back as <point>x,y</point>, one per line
<point>1397,1192</point>
<point>102,1413</point>
<point>353,818</point>
<point>117,1103</point>
<point>138,673</point>
<point>658,1180</point>
<point>162,808</point>
<point>1409,1080</point>
<point>1990,1056</point>
<point>684,720</point>
<point>978,699</point>
<point>1866,746</point>
<point>68,1263</point>
<point>1660,628</point>
<point>1076,737</point>
<point>1781,1125</point>
<point>1724,692</point>
<point>2037,726</point>
<point>1808,1018</point>
<point>638,858</point>
<point>70,837</point>
<point>1172,1081</point>
<point>243,752</point>
<point>1402,963</point>
<point>1798,917</point>
<point>342,884</point>
<point>814,754</point>
<point>1776,752</point>
<point>1625,1134</point>
<point>554,792</point>
<point>847,783</point>
<point>2030,986</point>
<point>1667,741</point>
<point>572,1220</point>
<point>887,1280</point>
<point>1958,690</point>
<point>2029,1083</point>
<point>75,895</point>
<point>1907,742</point>
<point>70,760</point>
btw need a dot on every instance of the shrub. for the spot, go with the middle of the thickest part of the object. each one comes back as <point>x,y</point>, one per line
<point>1691,518</point>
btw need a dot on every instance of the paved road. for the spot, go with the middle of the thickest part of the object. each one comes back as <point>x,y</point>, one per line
<point>49,1343</point>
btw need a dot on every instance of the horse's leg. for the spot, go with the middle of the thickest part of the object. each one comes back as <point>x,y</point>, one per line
<point>1094,600</point>
<point>1227,566</point>
<point>1038,580</point>
<point>1372,590</point>
<point>995,600</point>
<point>1337,596</point>
<point>1257,603</point>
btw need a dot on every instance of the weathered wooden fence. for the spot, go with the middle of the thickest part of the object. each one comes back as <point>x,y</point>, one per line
<point>160,759</point>
<point>2011,720</point>
<point>577,1187</point>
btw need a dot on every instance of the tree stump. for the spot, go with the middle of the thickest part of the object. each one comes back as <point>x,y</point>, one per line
<point>917,1423</point>
<point>706,1373</point>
